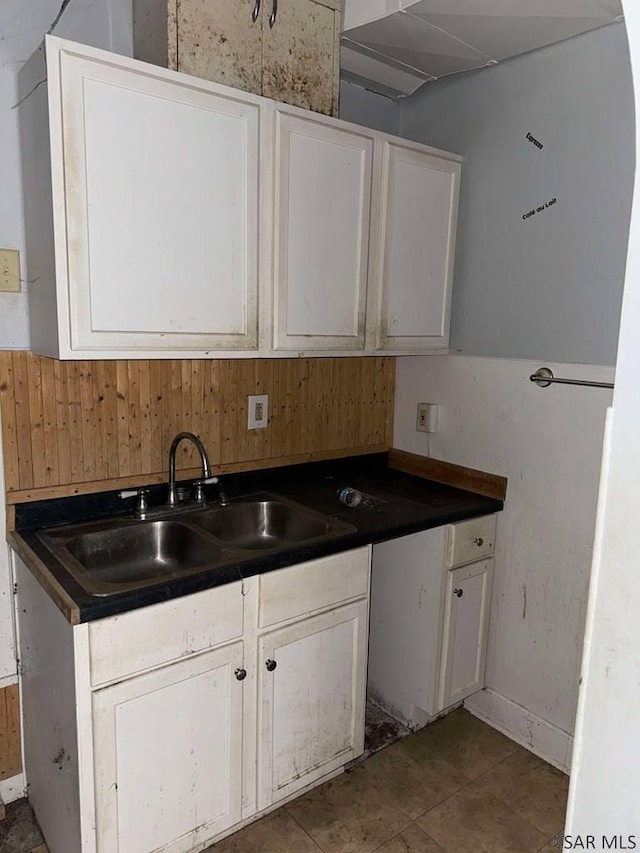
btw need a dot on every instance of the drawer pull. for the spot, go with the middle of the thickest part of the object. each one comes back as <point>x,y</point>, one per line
<point>256,11</point>
<point>240,673</point>
<point>479,541</point>
<point>458,592</point>
<point>270,665</point>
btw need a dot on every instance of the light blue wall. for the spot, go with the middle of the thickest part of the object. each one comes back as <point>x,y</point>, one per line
<point>548,287</point>
<point>368,109</point>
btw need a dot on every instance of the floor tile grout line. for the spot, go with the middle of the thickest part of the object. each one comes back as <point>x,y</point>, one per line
<point>510,808</point>
<point>547,843</point>
<point>297,822</point>
<point>522,749</point>
<point>443,801</point>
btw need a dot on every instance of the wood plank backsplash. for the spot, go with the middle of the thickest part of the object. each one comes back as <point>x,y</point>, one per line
<point>79,426</point>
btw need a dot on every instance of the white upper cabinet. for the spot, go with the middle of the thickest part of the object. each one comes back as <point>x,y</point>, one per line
<point>413,253</point>
<point>155,197</point>
<point>168,216</point>
<point>323,199</point>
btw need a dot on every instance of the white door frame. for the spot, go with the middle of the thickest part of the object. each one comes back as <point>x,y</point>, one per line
<point>604,796</point>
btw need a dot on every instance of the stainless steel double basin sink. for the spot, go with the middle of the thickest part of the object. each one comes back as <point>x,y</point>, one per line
<point>111,556</point>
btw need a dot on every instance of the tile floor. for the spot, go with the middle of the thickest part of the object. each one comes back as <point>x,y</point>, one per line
<point>457,786</point>
<point>19,832</point>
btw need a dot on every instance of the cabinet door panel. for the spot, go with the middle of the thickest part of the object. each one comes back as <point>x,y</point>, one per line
<point>466,621</point>
<point>323,186</point>
<point>419,198</point>
<point>219,41</point>
<point>299,55</point>
<point>162,209</point>
<point>168,754</point>
<point>312,705</point>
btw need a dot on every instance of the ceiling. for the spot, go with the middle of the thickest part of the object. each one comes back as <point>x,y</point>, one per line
<point>395,46</point>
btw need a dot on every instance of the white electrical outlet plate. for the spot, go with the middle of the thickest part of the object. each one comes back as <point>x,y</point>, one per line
<point>428,417</point>
<point>9,270</point>
<point>258,411</point>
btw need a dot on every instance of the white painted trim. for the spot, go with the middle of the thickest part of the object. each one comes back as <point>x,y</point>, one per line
<point>12,789</point>
<point>524,727</point>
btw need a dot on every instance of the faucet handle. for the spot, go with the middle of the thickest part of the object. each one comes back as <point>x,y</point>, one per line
<point>199,492</point>
<point>221,494</point>
<point>142,506</point>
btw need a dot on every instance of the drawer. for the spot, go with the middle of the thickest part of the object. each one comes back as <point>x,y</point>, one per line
<point>152,636</point>
<point>316,585</point>
<point>470,540</point>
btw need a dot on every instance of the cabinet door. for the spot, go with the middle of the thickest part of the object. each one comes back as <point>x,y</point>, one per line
<point>311,705</point>
<point>301,54</point>
<point>414,250</point>
<point>466,621</point>
<point>219,41</point>
<point>160,210</point>
<point>168,755</point>
<point>323,184</point>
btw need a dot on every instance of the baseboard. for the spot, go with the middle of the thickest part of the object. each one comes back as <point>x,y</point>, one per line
<point>526,728</point>
<point>14,788</point>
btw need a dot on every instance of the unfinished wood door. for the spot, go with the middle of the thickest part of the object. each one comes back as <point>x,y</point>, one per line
<point>300,54</point>
<point>168,755</point>
<point>311,700</point>
<point>220,41</point>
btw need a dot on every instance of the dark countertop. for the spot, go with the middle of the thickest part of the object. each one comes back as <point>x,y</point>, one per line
<point>402,504</point>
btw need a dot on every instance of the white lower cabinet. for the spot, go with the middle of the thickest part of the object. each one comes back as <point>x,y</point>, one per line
<point>429,618</point>
<point>311,689</point>
<point>180,720</point>
<point>464,638</point>
<point>168,754</point>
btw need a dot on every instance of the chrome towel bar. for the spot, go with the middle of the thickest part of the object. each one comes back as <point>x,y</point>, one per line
<point>543,377</point>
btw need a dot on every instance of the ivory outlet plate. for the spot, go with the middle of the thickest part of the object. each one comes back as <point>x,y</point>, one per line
<point>9,271</point>
<point>428,417</point>
<point>258,411</point>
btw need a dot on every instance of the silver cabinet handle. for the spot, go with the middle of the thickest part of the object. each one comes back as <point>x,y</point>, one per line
<point>256,11</point>
<point>270,665</point>
<point>274,13</point>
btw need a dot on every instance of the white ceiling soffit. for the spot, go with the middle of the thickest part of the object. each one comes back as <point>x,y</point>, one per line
<point>394,46</point>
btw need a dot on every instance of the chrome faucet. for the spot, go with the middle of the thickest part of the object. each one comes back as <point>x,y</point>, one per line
<point>206,471</point>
